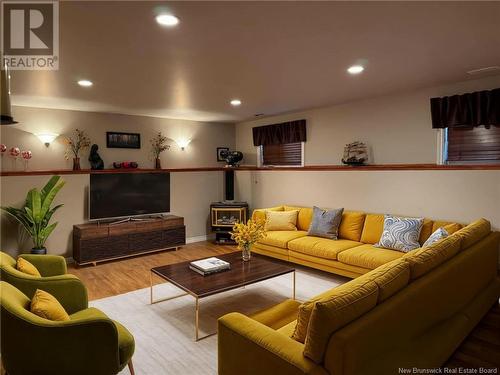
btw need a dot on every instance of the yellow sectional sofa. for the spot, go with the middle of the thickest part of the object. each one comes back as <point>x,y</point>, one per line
<point>352,255</point>
<point>411,311</point>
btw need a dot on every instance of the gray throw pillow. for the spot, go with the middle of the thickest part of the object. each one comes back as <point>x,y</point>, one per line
<point>325,223</point>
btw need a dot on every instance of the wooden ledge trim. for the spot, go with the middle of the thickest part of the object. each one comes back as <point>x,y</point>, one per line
<point>379,167</point>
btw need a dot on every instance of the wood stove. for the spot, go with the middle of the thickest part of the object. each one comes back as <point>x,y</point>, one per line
<point>223,215</point>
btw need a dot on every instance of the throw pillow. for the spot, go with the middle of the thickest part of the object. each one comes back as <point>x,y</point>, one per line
<point>439,234</point>
<point>281,220</point>
<point>45,305</point>
<point>26,267</point>
<point>400,233</point>
<point>325,223</point>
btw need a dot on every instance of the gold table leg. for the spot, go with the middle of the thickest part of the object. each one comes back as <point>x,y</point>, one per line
<point>152,302</point>
<point>197,320</point>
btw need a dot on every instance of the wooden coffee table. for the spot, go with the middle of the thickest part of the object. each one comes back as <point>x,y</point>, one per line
<point>259,268</point>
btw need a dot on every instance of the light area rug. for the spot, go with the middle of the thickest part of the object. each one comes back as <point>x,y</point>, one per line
<point>164,332</point>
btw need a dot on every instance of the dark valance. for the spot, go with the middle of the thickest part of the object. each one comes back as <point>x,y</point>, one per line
<point>467,110</point>
<point>278,134</point>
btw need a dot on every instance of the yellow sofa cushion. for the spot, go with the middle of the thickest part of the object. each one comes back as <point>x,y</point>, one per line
<point>449,226</point>
<point>351,225</point>
<point>288,329</point>
<point>281,220</point>
<point>348,303</point>
<point>321,247</point>
<point>474,232</point>
<point>390,278</point>
<point>45,305</point>
<point>368,256</point>
<point>427,258</point>
<point>280,238</point>
<point>372,228</point>
<point>304,217</point>
<point>26,267</point>
<point>278,315</point>
<point>425,231</point>
<point>260,213</point>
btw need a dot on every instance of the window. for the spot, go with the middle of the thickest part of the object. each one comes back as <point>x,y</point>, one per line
<point>282,155</point>
<point>472,145</point>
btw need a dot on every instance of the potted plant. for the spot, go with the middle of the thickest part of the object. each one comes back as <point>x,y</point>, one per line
<point>37,212</point>
<point>247,234</point>
<point>158,145</point>
<point>76,144</point>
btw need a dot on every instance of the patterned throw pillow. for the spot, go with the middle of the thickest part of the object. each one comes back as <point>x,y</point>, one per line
<point>438,234</point>
<point>325,223</point>
<point>400,233</point>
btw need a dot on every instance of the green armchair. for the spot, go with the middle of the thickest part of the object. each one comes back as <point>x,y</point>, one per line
<point>67,288</point>
<point>89,343</point>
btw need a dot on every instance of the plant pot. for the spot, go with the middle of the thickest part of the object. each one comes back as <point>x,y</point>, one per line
<point>76,164</point>
<point>40,251</point>
<point>157,163</point>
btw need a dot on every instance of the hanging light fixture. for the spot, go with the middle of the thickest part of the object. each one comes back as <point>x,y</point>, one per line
<point>7,118</point>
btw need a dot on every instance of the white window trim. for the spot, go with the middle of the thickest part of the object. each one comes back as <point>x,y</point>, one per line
<point>260,158</point>
<point>442,146</point>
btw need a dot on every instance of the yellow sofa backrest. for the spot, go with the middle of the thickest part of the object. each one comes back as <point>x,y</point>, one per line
<point>304,218</point>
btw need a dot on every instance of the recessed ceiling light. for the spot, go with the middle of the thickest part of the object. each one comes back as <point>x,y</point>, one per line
<point>167,20</point>
<point>235,102</point>
<point>355,69</point>
<point>85,83</point>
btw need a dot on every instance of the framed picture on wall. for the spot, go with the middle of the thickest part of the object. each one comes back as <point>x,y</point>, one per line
<point>123,140</point>
<point>219,150</point>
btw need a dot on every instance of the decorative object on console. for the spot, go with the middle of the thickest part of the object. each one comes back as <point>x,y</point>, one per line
<point>219,151</point>
<point>3,148</point>
<point>125,165</point>
<point>123,140</point>
<point>400,233</point>
<point>36,213</point>
<point>355,153</point>
<point>325,223</point>
<point>232,158</point>
<point>14,153</point>
<point>75,145</point>
<point>158,145</point>
<point>95,159</point>
<point>26,155</point>
<point>247,234</point>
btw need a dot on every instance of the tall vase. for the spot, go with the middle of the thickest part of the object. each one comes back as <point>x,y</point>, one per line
<point>246,254</point>
<point>157,163</point>
<point>76,164</point>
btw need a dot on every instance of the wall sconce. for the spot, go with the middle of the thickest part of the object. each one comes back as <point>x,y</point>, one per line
<point>47,138</point>
<point>182,143</point>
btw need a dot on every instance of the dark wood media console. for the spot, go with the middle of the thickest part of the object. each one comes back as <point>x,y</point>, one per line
<point>94,242</point>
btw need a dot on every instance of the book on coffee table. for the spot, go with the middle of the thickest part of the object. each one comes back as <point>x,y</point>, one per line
<point>209,265</point>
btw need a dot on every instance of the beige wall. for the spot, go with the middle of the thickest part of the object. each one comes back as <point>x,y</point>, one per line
<point>460,196</point>
<point>396,128</point>
<point>201,152</point>
<point>191,192</point>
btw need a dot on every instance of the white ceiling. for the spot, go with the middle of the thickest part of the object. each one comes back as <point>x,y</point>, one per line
<point>275,56</point>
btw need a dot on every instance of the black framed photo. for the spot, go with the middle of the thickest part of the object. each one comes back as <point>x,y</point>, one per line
<point>123,140</point>
<point>219,150</point>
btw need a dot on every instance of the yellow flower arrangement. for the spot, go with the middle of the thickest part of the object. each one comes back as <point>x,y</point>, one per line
<point>249,233</point>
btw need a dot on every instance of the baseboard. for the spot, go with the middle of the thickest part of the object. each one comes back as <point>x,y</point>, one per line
<point>207,237</point>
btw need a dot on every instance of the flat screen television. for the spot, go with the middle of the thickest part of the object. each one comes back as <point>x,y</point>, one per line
<point>120,195</point>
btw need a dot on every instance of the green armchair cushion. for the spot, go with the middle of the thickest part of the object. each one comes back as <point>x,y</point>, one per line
<point>47,265</point>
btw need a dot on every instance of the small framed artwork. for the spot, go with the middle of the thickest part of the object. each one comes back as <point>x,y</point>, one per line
<point>123,140</point>
<point>219,150</point>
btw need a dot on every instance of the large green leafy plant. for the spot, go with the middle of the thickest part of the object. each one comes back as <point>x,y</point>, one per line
<point>37,211</point>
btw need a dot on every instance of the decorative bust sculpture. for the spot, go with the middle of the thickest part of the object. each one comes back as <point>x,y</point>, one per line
<point>95,160</point>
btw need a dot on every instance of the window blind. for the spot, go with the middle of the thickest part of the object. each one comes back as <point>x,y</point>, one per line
<point>477,144</point>
<point>286,154</point>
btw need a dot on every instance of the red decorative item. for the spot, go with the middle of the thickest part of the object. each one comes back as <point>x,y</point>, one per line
<point>14,152</point>
<point>3,148</point>
<point>125,165</point>
<point>26,155</point>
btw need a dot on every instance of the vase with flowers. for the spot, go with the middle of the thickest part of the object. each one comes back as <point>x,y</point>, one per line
<point>158,145</point>
<point>75,144</point>
<point>247,234</point>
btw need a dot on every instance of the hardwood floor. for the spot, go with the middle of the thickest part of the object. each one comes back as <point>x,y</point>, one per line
<point>480,349</point>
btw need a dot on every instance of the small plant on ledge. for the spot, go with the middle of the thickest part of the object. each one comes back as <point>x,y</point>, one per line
<point>158,145</point>
<point>37,212</point>
<point>247,234</point>
<point>75,144</point>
